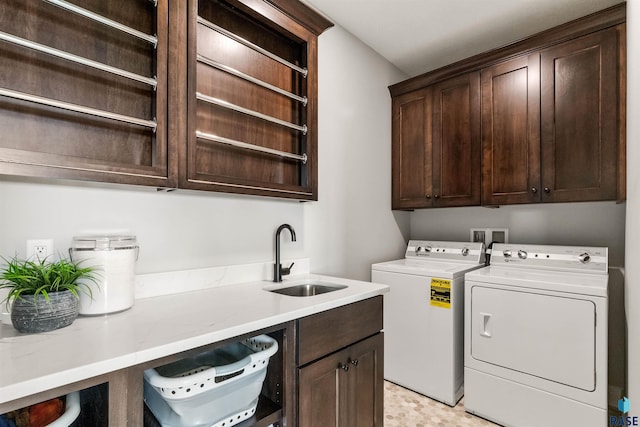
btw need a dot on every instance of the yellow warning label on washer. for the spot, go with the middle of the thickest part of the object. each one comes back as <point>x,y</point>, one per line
<point>441,293</point>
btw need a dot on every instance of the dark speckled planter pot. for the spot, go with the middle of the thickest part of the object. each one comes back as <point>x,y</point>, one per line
<point>40,315</point>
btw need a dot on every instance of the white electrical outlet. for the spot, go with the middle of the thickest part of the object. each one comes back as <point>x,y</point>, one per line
<point>39,248</point>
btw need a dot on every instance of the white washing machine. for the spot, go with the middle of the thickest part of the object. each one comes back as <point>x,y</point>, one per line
<point>536,336</point>
<point>423,316</point>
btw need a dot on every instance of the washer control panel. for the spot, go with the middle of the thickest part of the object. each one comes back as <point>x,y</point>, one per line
<point>575,258</point>
<point>472,252</point>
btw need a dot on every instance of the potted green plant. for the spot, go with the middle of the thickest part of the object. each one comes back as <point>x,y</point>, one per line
<point>44,295</point>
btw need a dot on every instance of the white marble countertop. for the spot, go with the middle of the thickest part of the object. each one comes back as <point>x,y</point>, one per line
<point>153,328</point>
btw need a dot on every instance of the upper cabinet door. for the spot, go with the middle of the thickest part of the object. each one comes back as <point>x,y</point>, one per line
<point>579,119</point>
<point>510,131</point>
<point>251,90</point>
<point>456,141</point>
<point>83,93</point>
<point>411,150</point>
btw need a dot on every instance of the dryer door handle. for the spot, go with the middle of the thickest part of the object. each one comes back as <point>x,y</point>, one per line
<point>486,325</point>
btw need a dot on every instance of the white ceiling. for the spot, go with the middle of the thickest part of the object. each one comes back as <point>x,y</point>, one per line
<point>421,35</point>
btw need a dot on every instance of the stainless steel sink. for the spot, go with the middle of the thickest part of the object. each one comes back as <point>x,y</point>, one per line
<point>306,289</point>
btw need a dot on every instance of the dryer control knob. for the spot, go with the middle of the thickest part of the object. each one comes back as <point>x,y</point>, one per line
<point>522,254</point>
<point>584,258</point>
<point>427,248</point>
<point>506,253</point>
<point>465,251</point>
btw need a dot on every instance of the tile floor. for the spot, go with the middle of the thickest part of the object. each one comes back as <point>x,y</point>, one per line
<point>405,408</point>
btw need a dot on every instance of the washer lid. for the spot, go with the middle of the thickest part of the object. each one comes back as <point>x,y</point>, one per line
<point>559,281</point>
<point>429,268</point>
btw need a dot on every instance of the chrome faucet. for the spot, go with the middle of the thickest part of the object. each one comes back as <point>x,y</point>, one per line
<point>278,269</point>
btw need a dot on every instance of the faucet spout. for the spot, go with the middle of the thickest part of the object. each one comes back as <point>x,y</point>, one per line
<point>278,270</point>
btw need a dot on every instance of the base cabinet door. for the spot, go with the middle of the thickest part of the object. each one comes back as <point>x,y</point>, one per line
<point>344,388</point>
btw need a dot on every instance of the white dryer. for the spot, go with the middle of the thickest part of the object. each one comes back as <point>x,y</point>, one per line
<point>423,316</point>
<point>536,336</point>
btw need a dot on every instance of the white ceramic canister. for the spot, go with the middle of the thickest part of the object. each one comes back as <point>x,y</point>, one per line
<point>114,258</point>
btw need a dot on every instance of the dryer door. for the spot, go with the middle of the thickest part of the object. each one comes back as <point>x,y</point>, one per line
<point>547,336</point>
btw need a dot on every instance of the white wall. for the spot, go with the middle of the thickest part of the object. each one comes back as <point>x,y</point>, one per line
<point>186,229</point>
<point>176,230</point>
<point>633,203</point>
<point>354,226</point>
<point>580,224</point>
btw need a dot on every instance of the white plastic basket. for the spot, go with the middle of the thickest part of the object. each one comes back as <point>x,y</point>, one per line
<point>217,388</point>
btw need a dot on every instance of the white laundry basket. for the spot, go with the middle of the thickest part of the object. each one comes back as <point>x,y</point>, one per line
<point>218,388</point>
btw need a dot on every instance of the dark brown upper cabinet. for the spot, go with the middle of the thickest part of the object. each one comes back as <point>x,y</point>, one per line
<point>83,93</point>
<point>216,95</point>
<point>510,132</point>
<point>579,119</point>
<point>550,124</point>
<point>251,91</point>
<point>436,145</point>
<point>552,113</point>
<point>411,150</point>
<point>456,141</point>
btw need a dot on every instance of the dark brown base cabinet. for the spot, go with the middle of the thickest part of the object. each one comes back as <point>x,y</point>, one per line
<point>116,398</point>
<point>151,93</point>
<point>343,387</point>
<point>329,369</point>
<point>551,111</point>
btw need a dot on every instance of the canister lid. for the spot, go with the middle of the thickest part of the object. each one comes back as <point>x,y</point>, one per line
<point>103,243</point>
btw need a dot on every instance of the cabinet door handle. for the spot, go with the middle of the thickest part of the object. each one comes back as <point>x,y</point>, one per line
<point>547,190</point>
<point>534,190</point>
<point>436,196</point>
<point>354,362</point>
<point>428,196</point>
<point>344,367</point>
